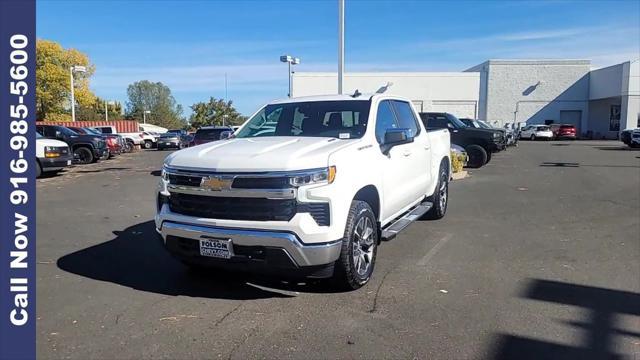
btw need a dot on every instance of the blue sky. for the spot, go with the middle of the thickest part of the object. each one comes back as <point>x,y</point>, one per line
<point>190,45</point>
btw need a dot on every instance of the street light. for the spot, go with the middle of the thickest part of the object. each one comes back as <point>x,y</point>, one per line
<point>291,61</point>
<point>77,68</point>
<point>144,116</point>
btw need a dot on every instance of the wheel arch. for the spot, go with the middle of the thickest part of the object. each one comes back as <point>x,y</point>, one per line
<point>79,145</point>
<point>371,196</point>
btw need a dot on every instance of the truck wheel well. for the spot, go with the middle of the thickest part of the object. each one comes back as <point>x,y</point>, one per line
<point>369,194</point>
<point>82,145</point>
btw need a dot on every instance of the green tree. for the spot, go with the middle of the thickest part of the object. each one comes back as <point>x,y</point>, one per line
<point>154,97</point>
<point>95,110</point>
<point>215,112</point>
<point>53,85</point>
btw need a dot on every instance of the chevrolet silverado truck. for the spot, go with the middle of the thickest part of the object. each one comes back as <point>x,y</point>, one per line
<point>306,187</point>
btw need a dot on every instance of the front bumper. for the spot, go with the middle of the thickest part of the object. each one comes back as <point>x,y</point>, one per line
<point>253,249</point>
<point>170,144</point>
<point>101,153</point>
<point>495,147</point>
<point>57,163</point>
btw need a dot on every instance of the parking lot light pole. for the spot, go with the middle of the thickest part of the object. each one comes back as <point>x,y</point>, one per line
<point>106,109</point>
<point>291,61</point>
<point>77,68</point>
<point>144,116</point>
<point>340,45</point>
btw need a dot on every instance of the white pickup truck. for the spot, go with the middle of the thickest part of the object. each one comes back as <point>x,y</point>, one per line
<point>306,187</point>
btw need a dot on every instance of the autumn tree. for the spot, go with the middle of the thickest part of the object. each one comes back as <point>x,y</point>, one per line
<point>154,97</point>
<point>53,84</point>
<point>215,112</point>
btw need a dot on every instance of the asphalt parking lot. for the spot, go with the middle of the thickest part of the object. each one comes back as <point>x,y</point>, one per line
<point>538,256</point>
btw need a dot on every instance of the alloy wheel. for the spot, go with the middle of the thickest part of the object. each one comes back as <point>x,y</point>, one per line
<point>363,246</point>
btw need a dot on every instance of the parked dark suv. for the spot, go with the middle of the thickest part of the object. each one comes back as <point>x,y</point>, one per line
<point>86,148</point>
<point>479,143</point>
<point>210,133</point>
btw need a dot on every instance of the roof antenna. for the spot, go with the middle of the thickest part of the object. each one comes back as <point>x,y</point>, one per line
<point>356,94</point>
<point>384,88</point>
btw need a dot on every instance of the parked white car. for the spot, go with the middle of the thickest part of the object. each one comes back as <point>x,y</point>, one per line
<point>52,155</point>
<point>312,196</point>
<point>534,132</point>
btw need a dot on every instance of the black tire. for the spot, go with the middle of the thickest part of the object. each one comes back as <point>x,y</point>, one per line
<point>440,197</point>
<point>38,169</point>
<point>148,144</point>
<point>84,155</point>
<point>477,156</point>
<point>489,153</point>
<point>347,274</point>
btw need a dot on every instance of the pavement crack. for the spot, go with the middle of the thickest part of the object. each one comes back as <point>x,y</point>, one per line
<point>374,308</point>
<point>237,346</point>
<point>227,315</point>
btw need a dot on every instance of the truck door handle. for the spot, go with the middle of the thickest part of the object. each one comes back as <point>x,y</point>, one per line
<point>406,153</point>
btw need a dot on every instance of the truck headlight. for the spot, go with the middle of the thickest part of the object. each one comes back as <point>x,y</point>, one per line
<point>163,174</point>
<point>51,152</point>
<point>316,176</point>
<point>497,135</point>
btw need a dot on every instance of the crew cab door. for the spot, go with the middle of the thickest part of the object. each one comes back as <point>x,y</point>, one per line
<point>418,153</point>
<point>404,166</point>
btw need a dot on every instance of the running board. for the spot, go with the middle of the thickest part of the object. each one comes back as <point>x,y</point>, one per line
<point>401,223</point>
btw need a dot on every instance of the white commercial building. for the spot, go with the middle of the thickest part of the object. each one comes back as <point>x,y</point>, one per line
<point>599,102</point>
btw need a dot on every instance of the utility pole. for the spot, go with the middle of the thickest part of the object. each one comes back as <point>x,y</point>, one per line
<point>340,45</point>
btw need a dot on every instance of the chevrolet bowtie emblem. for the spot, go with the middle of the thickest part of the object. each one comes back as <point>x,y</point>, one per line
<point>216,183</point>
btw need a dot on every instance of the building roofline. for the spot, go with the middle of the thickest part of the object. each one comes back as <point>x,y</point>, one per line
<point>538,62</point>
<point>397,74</point>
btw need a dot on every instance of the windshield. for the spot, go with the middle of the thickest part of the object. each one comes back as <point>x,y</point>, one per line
<point>456,121</point>
<point>169,135</point>
<point>209,134</point>
<point>484,125</point>
<point>337,119</point>
<point>92,131</point>
<point>66,131</point>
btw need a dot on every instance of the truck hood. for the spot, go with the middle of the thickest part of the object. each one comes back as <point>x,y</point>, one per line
<point>50,142</point>
<point>274,153</point>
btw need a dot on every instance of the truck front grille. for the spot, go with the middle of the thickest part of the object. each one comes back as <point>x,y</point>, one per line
<point>233,208</point>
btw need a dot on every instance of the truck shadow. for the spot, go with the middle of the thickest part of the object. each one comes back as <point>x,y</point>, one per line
<point>137,259</point>
<point>600,329</point>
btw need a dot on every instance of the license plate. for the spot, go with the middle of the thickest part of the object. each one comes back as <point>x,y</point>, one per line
<point>217,248</point>
<point>68,162</point>
<point>167,143</point>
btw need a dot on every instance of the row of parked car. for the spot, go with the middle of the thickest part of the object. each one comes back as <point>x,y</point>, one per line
<point>60,146</point>
<point>480,139</point>
<point>178,139</point>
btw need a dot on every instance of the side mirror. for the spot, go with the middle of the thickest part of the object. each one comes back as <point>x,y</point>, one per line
<point>226,134</point>
<point>394,137</point>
